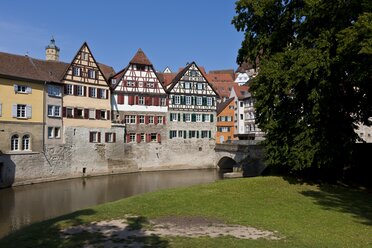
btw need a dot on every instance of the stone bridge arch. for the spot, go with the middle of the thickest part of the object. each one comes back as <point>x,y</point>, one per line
<point>226,164</point>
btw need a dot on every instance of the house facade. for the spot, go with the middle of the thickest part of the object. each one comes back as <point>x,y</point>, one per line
<point>140,101</point>
<point>225,121</point>
<point>192,107</point>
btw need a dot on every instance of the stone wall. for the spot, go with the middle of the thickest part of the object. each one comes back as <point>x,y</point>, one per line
<point>79,157</point>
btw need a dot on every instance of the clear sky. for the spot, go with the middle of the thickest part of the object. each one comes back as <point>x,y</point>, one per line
<point>170,32</point>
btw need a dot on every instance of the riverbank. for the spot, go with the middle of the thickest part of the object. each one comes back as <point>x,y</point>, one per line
<point>291,214</point>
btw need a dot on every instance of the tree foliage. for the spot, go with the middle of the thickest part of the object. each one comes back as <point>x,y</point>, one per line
<point>315,77</point>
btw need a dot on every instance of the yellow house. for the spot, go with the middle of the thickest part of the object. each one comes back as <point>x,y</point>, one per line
<point>21,104</point>
<point>86,98</point>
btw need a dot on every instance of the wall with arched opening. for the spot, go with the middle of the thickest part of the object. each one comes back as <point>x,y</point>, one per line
<point>226,164</point>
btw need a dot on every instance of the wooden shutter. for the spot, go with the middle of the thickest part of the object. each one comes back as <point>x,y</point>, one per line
<point>89,91</point>
<point>127,138</point>
<point>138,138</point>
<point>184,134</point>
<point>85,91</point>
<point>75,112</point>
<point>179,117</point>
<point>148,137</point>
<point>209,134</point>
<point>15,88</point>
<point>98,114</point>
<point>14,110</point>
<point>146,119</point>
<point>28,111</point>
<point>65,89</point>
<point>211,117</point>
<point>156,101</point>
<point>28,90</point>
<point>130,100</point>
<point>138,120</point>
<point>90,137</point>
<point>99,137</point>
<point>193,117</point>
<point>155,120</point>
<point>170,135</point>
<point>75,90</point>
<point>204,101</point>
<point>86,113</point>
<point>136,98</point>
<point>106,137</point>
<point>147,101</point>
<point>203,117</point>
<point>164,117</point>
<point>120,98</point>
<point>159,138</point>
<point>108,116</point>
<point>107,94</point>
<point>197,134</point>
<point>64,112</point>
<point>114,137</point>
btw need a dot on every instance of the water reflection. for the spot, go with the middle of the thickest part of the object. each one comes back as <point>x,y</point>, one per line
<point>23,205</point>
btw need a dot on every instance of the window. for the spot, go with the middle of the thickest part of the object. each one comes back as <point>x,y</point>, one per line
<point>198,117</point>
<point>151,119</point>
<point>199,100</point>
<point>160,119</point>
<point>84,56</point>
<point>209,101</point>
<point>69,89</point>
<point>50,132</point>
<point>142,137</point>
<point>92,113</point>
<point>57,132</point>
<point>150,85</point>
<point>54,90</point>
<point>172,134</point>
<point>102,93</point>
<point>187,117</point>
<point>26,146</point>
<point>188,100</point>
<point>177,99</point>
<point>192,134</point>
<point>54,111</point>
<point>131,83</point>
<point>21,111</point>
<point>204,134</point>
<point>153,137</point>
<point>95,137</point>
<point>241,116</point>
<point>180,134</point>
<point>69,112</point>
<point>92,92</point>
<point>207,118</point>
<point>21,88</point>
<point>241,104</point>
<point>200,86</point>
<point>173,116</point>
<point>14,144</point>
<point>103,115</point>
<point>130,119</point>
<point>141,100</point>
<point>132,137</point>
<point>76,71</point>
<point>224,129</point>
<point>163,101</point>
<point>91,73</point>
<point>110,137</point>
<point>79,90</point>
<point>231,107</point>
<point>187,85</point>
<point>141,119</point>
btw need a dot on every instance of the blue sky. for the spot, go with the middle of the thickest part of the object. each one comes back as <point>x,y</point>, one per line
<point>170,32</point>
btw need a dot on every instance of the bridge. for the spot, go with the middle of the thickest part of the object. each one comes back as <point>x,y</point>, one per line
<point>247,155</point>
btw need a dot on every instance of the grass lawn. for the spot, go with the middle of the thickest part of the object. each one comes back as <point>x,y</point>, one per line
<point>303,215</point>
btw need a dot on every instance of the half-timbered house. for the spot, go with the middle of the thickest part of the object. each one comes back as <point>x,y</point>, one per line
<point>140,101</point>
<point>192,107</point>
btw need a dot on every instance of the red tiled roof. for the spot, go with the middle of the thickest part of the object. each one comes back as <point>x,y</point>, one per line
<point>219,77</point>
<point>223,88</point>
<point>166,78</point>
<point>241,91</point>
<point>140,58</point>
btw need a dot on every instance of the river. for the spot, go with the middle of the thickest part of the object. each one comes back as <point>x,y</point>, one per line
<point>23,205</point>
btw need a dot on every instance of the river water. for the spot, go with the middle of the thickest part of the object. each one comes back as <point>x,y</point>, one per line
<point>23,205</point>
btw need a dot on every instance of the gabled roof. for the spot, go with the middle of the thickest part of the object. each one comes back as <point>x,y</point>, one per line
<point>107,70</point>
<point>221,106</point>
<point>182,72</point>
<point>140,58</point>
<point>166,78</point>
<point>223,88</point>
<point>241,91</point>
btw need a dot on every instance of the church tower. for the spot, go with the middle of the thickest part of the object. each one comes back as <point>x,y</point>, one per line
<point>52,51</point>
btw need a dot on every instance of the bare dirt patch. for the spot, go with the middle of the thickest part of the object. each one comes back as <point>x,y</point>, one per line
<point>136,231</point>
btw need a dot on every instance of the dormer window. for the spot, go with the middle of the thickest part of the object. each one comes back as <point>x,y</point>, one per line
<point>76,71</point>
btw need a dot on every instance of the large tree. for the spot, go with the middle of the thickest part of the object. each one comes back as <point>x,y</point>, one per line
<point>315,77</point>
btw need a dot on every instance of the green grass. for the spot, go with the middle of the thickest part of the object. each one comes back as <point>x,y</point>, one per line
<point>304,215</point>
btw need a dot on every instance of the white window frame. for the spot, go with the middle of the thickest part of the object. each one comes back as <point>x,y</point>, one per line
<point>79,90</point>
<point>187,117</point>
<point>152,139</point>
<point>163,101</point>
<point>151,119</point>
<point>177,99</point>
<point>54,111</point>
<point>101,93</point>
<point>207,118</point>
<point>91,73</point>
<point>26,142</point>
<point>14,142</point>
<point>103,114</point>
<point>70,89</point>
<point>187,85</point>
<point>76,71</point>
<point>132,137</point>
<point>92,114</point>
<point>188,100</point>
<point>198,117</point>
<point>21,111</point>
<point>209,101</point>
<point>173,117</point>
<point>93,92</point>
<point>199,100</point>
<point>94,137</point>
<point>141,100</point>
<point>200,86</point>
<point>173,134</point>
<point>160,120</point>
<point>141,119</point>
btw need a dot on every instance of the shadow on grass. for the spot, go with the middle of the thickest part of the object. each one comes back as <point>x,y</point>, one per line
<point>48,233</point>
<point>343,199</point>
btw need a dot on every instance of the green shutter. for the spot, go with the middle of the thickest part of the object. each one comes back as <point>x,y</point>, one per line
<point>184,134</point>
<point>197,134</point>
<point>211,117</point>
<point>189,134</point>
<point>170,135</point>
<point>203,117</point>
<point>184,117</point>
<point>193,117</point>
<point>210,134</point>
<point>204,101</point>
<point>193,100</point>
<point>179,117</point>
